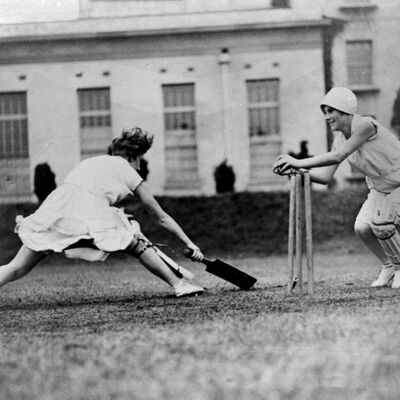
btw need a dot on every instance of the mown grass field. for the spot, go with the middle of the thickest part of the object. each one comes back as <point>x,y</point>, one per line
<point>112,331</point>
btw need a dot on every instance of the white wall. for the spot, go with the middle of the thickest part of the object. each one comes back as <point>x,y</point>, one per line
<point>25,11</point>
<point>20,11</point>
<point>104,9</point>
<point>293,56</point>
<point>136,100</point>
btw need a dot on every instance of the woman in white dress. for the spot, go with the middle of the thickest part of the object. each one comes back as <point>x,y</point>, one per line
<point>82,210</point>
<point>374,151</point>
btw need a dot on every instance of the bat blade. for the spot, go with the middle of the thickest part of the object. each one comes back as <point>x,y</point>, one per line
<point>229,273</point>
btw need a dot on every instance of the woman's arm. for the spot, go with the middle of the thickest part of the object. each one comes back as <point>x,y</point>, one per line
<point>364,132</point>
<point>165,220</point>
<point>323,175</point>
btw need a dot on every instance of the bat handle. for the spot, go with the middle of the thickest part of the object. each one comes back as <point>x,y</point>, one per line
<point>188,252</point>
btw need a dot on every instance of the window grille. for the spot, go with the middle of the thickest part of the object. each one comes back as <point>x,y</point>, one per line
<point>263,128</point>
<point>280,3</point>
<point>95,121</point>
<point>357,3</point>
<point>263,104</point>
<point>359,62</point>
<point>14,147</point>
<point>180,135</point>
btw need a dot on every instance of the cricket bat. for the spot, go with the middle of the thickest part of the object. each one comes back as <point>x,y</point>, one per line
<point>227,272</point>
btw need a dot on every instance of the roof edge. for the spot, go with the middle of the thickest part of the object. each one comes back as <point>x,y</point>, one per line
<point>317,23</point>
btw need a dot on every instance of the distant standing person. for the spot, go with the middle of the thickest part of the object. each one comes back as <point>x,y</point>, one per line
<point>83,209</point>
<point>374,151</point>
<point>303,153</point>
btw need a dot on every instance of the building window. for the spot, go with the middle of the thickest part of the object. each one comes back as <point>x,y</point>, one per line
<point>264,128</point>
<point>263,103</point>
<point>359,62</point>
<point>357,4</point>
<point>137,1</point>
<point>280,3</point>
<point>95,121</point>
<point>14,149</point>
<point>180,136</point>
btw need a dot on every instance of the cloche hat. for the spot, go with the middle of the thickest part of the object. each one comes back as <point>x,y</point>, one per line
<point>340,98</point>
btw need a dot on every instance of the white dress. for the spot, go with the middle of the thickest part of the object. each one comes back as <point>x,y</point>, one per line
<point>82,208</point>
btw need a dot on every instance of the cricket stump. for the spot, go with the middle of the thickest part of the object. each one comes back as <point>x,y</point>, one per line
<point>300,220</point>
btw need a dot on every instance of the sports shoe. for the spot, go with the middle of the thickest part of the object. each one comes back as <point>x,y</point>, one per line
<point>184,288</point>
<point>384,278</point>
<point>396,280</point>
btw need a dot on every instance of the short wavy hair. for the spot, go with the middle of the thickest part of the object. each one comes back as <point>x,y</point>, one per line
<point>132,143</point>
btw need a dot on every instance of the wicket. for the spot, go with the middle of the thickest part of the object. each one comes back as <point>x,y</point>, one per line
<point>300,216</point>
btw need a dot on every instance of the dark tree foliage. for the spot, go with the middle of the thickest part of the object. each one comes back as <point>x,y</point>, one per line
<point>44,181</point>
<point>224,178</point>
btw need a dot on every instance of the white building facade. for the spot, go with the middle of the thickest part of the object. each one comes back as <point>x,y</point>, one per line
<point>213,80</point>
<point>365,57</point>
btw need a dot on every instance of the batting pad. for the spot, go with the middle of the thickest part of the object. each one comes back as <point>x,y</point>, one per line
<point>391,246</point>
<point>176,268</point>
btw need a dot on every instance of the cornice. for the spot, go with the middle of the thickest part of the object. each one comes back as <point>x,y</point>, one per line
<point>111,28</point>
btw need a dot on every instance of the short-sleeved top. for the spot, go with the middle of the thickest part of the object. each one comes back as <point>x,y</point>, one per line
<point>378,158</point>
<point>109,176</point>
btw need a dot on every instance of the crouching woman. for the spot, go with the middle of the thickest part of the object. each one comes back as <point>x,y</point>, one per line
<point>83,211</point>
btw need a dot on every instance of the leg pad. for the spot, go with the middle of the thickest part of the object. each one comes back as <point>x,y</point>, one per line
<point>391,246</point>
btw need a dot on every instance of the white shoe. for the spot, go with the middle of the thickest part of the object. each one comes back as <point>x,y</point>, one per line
<point>184,288</point>
<point>396,280</point>
<point>385,277</point>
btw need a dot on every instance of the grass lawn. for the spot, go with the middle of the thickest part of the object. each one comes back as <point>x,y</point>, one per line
<point>112,331</point>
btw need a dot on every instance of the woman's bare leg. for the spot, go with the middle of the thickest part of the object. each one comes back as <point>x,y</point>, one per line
<point>152,261</point>
<point>24,261</point>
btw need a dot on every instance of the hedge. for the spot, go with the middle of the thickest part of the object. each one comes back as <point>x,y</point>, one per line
<point>249,223</point>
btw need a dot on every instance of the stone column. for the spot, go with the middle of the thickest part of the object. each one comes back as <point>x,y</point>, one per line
<point>224,61</point>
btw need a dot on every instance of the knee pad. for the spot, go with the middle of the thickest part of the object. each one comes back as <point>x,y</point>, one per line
<point>141,246</point>
<point>383,226</point>
<point>384,218</point>
<point>384,230</point>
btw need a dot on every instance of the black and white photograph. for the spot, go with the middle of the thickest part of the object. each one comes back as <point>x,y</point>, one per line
<point>199,199</point>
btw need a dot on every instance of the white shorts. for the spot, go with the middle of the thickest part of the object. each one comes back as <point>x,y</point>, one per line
<point>385,202</point>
